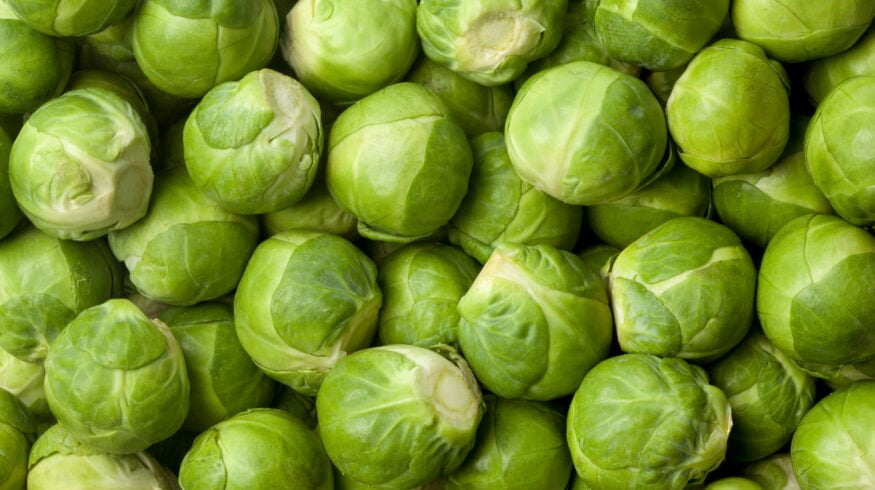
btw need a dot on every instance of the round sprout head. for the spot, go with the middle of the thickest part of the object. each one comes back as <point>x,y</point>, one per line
<point>641,421</point>
<point>814,291</point>
<point>277,444</point>
<point>489,42</point>
<point>186,48</point>
<point>339,64</point>
<point>399,416</point>
<point>589,156</point>
<point>840,149</point>
<point>823,74</point>
<point>70,18</point>
<point>80,166</point>
<point>306,300</point>
<point>730,87</point>
<point>137,391</point>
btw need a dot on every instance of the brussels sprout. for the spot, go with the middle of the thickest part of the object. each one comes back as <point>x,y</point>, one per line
<point>657,35</point>
<point>187,48</point>
<point>579,43</point>
<point>305,300</point>
<point>585,143</point>
<point>257,449</point>
<point>814,292</point>
<point>729,112</point>
<point>345,50</point>
<point>44,283</point>
<point>840,149</point>
<point>680,192</point>
<point>223,379</point>
<point>70,18</point>
<point>422,283</point>
<point>489,42</point>
<point>122,86</point>
<point>820,76</point>
<point>18,430</point>
<point>10,215</point>
<point>267,159</point>
<point>24,379</point>
<point>640,421</point>
<point>833,445</point>
<point>35,66</point>
<point>80,167</point>
<point>684,289</point>
<point>774,472</point>
<point>520,444</point>
<point>111,50</point>
<point>534,321</point>
<point>477,108</point>
<point>58,457</point>
<point>187,248</point>
<point>769,394</point>
<point>799,30</point>
<point>757,205</point>
<point>317,210</point>
<point>399,416</point>
<point>398,162</point>
<point>733,483</point>
<point>500,207</point>
<point>116,379</point>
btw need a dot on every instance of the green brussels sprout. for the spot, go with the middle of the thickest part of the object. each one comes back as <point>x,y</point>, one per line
<point>477,108</point>
<point>773,472</point>
<point>585,143</point>
<point>534,321</point>
<point>186,48</point>
<point>18,429</point>
<point>111,50</point>
<point>769,394</point>
<point>579,43</point>
<point>730,88</point>
<point>520,444</point>
<point>58,457</point>
<point>35,66</point>
<point>398,162</point>
<point>222,377</point>
<point>24,379</point>
<point>79,167</point>
<point>44,283</point>
<point>116,379</point>
<point>756,205</point>
<point>422,283</point>
<point>820,76</point>
<point>398,416</point>
<point>833,445</point>
<point>684,289</point>
<point>840,149</point>
<point>267,159</point>
<point>10,215</point>
<point>501,207</point>
<point>343,51</point>
<point>122,86</point>
<point>70,18</point>
<point>733,483</point>
<point>799,30</point>
<point>316,210</point>
<point>306,300</point>
<point>641,421</point>
<point>813,299</point>
<point>658,35</point>
<point>489,42</point>
<point>257,450</point>
<point>679,192</point>
<point>187,249</point>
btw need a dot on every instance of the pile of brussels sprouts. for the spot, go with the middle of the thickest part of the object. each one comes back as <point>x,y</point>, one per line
<point>437,244</point>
